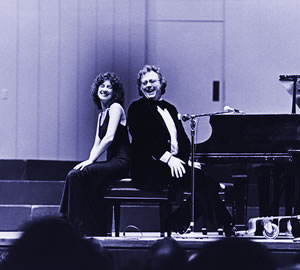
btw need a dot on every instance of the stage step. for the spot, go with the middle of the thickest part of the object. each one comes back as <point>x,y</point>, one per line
<point>13,217</point>
<point>35,169</point>
<point>24,200</point>
<point>30,189</point>
<point>35,192</point>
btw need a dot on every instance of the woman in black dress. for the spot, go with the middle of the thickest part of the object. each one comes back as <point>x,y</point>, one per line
<point>82,201</point>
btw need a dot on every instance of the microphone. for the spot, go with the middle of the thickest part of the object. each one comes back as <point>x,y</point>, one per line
<point>229,109</point>
<point>185,117</point>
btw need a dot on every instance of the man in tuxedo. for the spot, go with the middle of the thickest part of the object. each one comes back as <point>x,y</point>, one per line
<point>161,150</point>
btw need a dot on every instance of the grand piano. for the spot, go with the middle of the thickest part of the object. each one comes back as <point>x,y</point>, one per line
<point>269,143</point>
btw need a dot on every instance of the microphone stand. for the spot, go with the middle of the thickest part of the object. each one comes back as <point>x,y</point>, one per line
<point>192,119</point>
<point>294,97</point>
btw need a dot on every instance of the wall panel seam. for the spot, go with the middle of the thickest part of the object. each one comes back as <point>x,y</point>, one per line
<point>77,78</point>
<point>113,36</point>
<point>223,97</point>
<point>17,76</point>
<point>146,31</point>
<point>38,78</point>
<point>58,81</point>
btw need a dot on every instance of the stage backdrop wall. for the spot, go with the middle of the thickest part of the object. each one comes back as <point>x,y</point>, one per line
<point>261,42</point>
<point>51,51</point>
<point>212,52</point>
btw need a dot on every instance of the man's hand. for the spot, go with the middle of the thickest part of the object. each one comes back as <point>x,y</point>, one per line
<point>197,165</point>
<point>83,164</point>
<point>176,166</point>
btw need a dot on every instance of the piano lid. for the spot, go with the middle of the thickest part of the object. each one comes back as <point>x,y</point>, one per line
<point>265,133</point>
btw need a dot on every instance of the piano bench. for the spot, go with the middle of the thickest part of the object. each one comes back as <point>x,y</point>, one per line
<point>123,191</point>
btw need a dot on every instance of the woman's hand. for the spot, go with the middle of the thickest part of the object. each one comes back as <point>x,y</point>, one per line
<point>176,166</point>
<point>83,164</point>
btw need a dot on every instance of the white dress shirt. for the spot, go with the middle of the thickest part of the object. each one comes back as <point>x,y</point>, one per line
<point>173,134</point>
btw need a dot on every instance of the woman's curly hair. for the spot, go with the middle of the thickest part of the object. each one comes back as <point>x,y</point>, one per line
<point>149,68</point>
<point>117,86</point>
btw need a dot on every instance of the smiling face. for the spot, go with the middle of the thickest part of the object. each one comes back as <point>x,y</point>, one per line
<point>151,86</point>
<point>105,91</point>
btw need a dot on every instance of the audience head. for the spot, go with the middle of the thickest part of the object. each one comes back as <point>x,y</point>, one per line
<point>158,81</point>
<point>52,243</point>
<point>294,263</point>
<point>117,87</point>
<point>233,254</point>
<point>166,254</point>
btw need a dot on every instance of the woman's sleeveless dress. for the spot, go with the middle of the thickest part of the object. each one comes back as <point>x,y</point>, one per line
<point>82,201</point>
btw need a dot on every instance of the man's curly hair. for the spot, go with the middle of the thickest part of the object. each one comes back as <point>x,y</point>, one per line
<point>117,86</point>
<point>149,68</point>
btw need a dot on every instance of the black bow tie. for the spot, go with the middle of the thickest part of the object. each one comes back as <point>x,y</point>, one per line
<point>161,103</point>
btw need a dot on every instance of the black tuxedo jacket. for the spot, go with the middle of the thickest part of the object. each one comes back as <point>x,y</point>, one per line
<point>150,140</point>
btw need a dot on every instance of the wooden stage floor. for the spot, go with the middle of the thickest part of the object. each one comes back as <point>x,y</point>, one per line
<point>134,245</point>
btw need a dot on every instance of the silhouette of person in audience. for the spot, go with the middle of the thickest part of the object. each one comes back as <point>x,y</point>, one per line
<point>233,254</point>
<point>294,263</point>
<point>52,243</point>
<point>166,254</point>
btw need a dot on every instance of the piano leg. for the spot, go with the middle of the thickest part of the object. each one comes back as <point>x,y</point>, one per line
<point>240,198</point>
<point>269,191</point>
<point>274,181</point>
<point>291,187</point>
<point>293,192</point>
<point>264,194</point>
<point>297,197</point>
<point>270,185</point>
<point>277,188</point>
